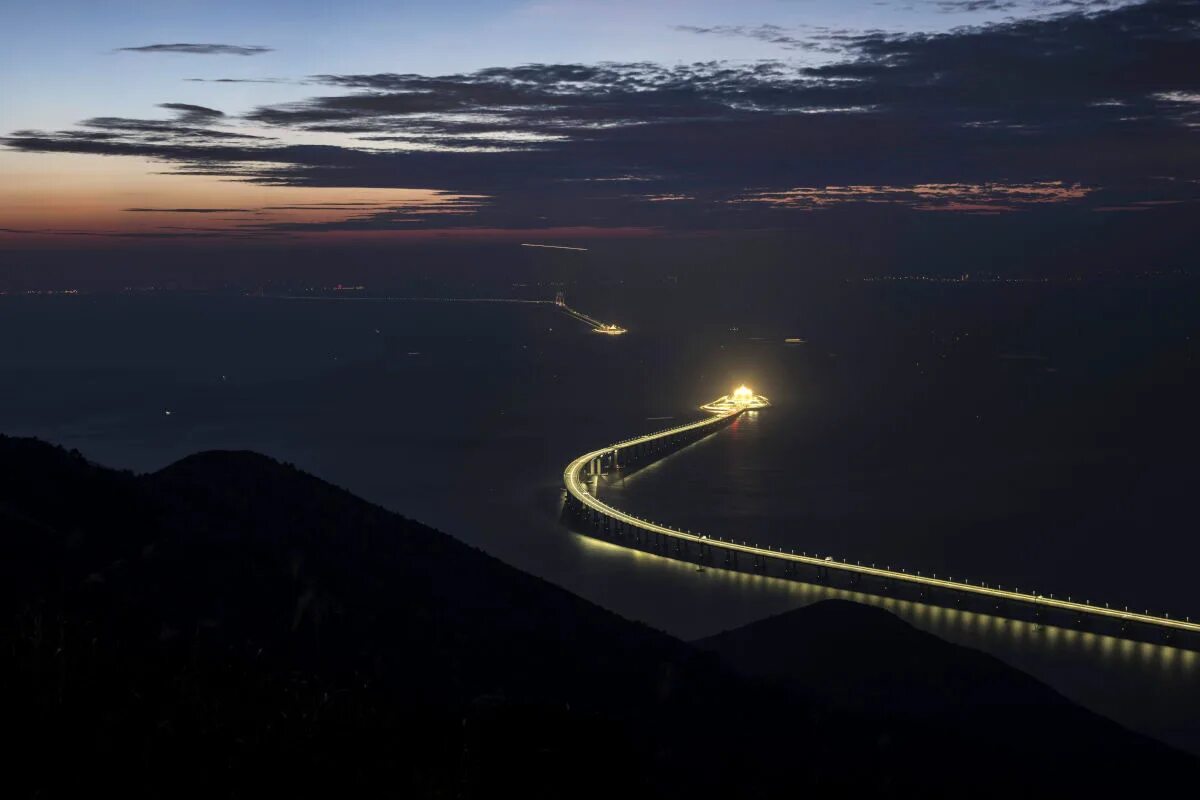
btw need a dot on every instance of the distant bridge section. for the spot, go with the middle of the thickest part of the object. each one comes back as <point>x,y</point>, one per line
<point>585,507</point>
<point>560,303</point>
<point>599,327</point>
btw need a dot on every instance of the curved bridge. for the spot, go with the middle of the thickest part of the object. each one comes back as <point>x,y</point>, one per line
<point>703,550</point>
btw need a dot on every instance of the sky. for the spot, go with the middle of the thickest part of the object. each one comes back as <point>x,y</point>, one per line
<point>269,121</point>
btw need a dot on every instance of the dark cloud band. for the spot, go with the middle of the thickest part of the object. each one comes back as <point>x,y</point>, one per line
<point>989,118</point>
<point>200,49</point>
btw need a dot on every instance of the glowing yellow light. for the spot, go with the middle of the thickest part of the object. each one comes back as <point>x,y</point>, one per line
<point>740,399</point>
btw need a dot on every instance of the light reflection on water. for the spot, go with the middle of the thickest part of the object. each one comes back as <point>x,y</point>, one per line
<point>950,623</point>
<point>1153,688</point>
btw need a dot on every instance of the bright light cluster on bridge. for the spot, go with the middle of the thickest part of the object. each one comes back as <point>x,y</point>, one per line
<point>610,329</point>
<point>741,398</point>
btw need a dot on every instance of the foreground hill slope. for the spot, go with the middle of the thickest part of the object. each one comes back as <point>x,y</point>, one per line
<point>855,658</point>
<point>230,626</point>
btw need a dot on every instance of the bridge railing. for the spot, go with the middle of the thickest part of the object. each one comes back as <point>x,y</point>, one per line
<point>579,494</point>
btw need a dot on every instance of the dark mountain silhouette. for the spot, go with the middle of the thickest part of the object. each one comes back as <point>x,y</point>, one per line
<point>230,626</point>
<point>850,657</point>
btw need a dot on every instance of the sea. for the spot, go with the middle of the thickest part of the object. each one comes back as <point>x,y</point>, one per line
<point>1034,435</point>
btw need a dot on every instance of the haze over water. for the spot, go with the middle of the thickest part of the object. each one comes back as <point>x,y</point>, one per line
<point>900,434</point>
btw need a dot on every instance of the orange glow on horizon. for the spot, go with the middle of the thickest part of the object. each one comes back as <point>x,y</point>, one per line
<point>87,202</point>
<point>67,197</point>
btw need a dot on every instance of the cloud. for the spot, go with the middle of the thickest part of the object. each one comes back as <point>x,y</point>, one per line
<point>190,113</point>
<point>1026,7</point>
<point>200,49</point>
<point>192,210</point>
<point>954,6</point>
<point>1102,100</point>
<point>805,38</point>
<point>953,197</point>
<point>153,131</point>
<point>243,80</point>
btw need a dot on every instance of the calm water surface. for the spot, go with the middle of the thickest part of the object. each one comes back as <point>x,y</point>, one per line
<point>1023,443</point>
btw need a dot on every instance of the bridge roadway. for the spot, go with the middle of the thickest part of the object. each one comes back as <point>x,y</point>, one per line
<point>591,322</point>
<point>584,318</point>
<point>594,463</point>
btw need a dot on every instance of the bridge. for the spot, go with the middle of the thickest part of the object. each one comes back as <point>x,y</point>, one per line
<point>599,327</point>
<point>585,507</point>
<point>560,303</point>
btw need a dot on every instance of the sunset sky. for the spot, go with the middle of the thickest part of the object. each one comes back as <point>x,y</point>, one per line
<point>235,121</point>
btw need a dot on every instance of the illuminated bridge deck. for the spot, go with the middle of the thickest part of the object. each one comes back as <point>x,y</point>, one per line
<point>559,302</point>
<point>608,328</point>
<point>651,446</point>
